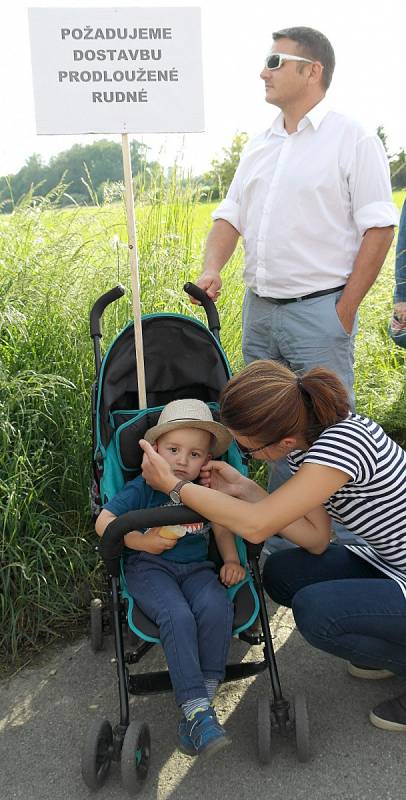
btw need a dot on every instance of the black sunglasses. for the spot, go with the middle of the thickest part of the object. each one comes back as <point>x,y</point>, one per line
<point>248,452</point>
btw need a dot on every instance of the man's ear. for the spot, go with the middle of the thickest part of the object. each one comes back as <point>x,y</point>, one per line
<point>316,72</point>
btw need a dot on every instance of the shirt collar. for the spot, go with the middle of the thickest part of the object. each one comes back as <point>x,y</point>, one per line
<point>315,117</point>
<point>317,113</point>
<point>277,126</point>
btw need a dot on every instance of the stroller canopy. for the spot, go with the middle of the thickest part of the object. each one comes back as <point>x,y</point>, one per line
<point>182,359</point>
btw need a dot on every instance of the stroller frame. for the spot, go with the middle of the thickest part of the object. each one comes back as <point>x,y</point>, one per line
<point>129,742</point>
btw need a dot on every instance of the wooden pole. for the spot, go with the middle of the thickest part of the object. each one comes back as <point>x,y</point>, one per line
<point>135,281</point>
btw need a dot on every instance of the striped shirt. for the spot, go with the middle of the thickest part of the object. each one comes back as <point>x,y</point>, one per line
<point>373,502</point>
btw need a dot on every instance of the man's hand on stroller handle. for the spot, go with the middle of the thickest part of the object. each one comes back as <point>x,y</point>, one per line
<point>210,282</point>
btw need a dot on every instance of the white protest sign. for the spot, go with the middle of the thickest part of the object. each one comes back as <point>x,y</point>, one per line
<point>118,70</point>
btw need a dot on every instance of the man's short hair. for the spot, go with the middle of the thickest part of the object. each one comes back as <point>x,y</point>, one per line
<point>313,45</point>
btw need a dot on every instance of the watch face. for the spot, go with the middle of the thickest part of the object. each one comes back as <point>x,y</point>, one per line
<point>175,497</point>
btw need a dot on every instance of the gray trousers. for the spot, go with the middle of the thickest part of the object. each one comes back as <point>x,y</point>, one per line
<point>300,335</point>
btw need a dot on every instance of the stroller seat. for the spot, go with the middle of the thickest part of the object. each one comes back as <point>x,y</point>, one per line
<point>130,427</point>
<point>246,606</point>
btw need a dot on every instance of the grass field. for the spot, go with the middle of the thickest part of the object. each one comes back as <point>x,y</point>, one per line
<point>53,265</point>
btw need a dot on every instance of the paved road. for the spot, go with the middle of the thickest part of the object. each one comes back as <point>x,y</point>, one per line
<point>45,711</point>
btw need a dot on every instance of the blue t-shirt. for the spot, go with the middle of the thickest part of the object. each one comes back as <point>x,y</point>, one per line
<point>137,494</point>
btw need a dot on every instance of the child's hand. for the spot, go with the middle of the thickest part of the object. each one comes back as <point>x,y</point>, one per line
<point>154,543</point>
<point>231,572</point>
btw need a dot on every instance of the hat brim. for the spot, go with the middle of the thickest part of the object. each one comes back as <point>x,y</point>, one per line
<point>222,436</point>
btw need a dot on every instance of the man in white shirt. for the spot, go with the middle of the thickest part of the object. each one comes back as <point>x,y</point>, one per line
<point>312,199</point>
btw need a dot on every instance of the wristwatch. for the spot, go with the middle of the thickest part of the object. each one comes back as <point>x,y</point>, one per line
<point>174,493</point>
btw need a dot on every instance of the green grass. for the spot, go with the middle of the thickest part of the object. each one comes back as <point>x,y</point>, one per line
<point>399,197</point>
<point>53,266</point>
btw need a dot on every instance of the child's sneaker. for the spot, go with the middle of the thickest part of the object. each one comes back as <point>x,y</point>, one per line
<point>185,743</point>
<point>204,732</point>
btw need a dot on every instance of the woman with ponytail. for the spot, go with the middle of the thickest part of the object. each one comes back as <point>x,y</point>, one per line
<point>347,600</point>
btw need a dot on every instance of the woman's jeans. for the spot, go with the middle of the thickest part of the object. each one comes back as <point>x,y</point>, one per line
<point>341,605</point>
<point>194,615</point>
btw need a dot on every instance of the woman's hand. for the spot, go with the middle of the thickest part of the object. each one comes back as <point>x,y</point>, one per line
<point>231,572</point>
<point>155,470</point>
<point>221,476</point>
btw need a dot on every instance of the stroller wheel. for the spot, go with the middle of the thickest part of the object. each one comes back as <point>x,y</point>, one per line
<point>96,625</point>
<point>97,753</point>
<point>264,729</point>
<point>135,755</point>
<point>302,727</point>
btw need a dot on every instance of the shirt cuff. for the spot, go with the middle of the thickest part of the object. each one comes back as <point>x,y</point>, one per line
<point>376,215</point>
<point>230,211</point>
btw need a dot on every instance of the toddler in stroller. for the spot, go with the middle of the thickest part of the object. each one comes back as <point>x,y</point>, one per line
<point>183,360</point>
<point>170,577</point>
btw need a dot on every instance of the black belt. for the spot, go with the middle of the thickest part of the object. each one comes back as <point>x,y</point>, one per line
<point>281,301</point>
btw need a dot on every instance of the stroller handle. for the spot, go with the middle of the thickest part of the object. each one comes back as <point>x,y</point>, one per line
<point>112,542</point>
<point>95,321</point>
<point>209,306</point>
<point>99,307</point>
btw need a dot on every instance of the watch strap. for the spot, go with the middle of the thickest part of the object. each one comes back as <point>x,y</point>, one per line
<point>179,486</point>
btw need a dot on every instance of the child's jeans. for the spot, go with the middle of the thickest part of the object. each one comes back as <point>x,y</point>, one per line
<point>194,615</point>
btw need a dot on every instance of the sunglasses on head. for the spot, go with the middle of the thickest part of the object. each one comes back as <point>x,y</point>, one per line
<point>275,60</point>
<point>248,452</point>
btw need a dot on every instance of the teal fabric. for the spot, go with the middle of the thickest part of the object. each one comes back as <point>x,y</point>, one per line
<point>112,479</point>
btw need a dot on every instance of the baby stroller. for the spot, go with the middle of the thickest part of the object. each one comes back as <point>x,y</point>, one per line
<point>183,358</point>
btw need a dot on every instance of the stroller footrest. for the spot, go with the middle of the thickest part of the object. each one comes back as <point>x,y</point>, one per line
<point>235,672</point>
<point>156,682</point>
<point>149,683</point>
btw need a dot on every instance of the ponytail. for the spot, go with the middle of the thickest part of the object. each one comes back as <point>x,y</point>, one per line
<point>267,400</point>
<point>326,399</point>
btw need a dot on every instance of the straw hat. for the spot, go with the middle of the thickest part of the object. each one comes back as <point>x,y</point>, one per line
<point>190,414</point>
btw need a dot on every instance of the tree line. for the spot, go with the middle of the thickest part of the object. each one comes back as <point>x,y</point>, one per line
<point>89,173</point>
<point>93,173</point>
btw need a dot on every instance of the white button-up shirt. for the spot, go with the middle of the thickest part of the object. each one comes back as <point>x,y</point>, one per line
<point>303,201</point>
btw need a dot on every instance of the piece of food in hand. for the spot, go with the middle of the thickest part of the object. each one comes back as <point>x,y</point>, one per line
<point>172,531</point>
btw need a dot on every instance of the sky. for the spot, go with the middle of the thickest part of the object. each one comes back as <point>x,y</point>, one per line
<point>369,83</point>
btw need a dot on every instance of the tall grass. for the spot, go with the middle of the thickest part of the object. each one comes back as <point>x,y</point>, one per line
<point>53,265</point>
